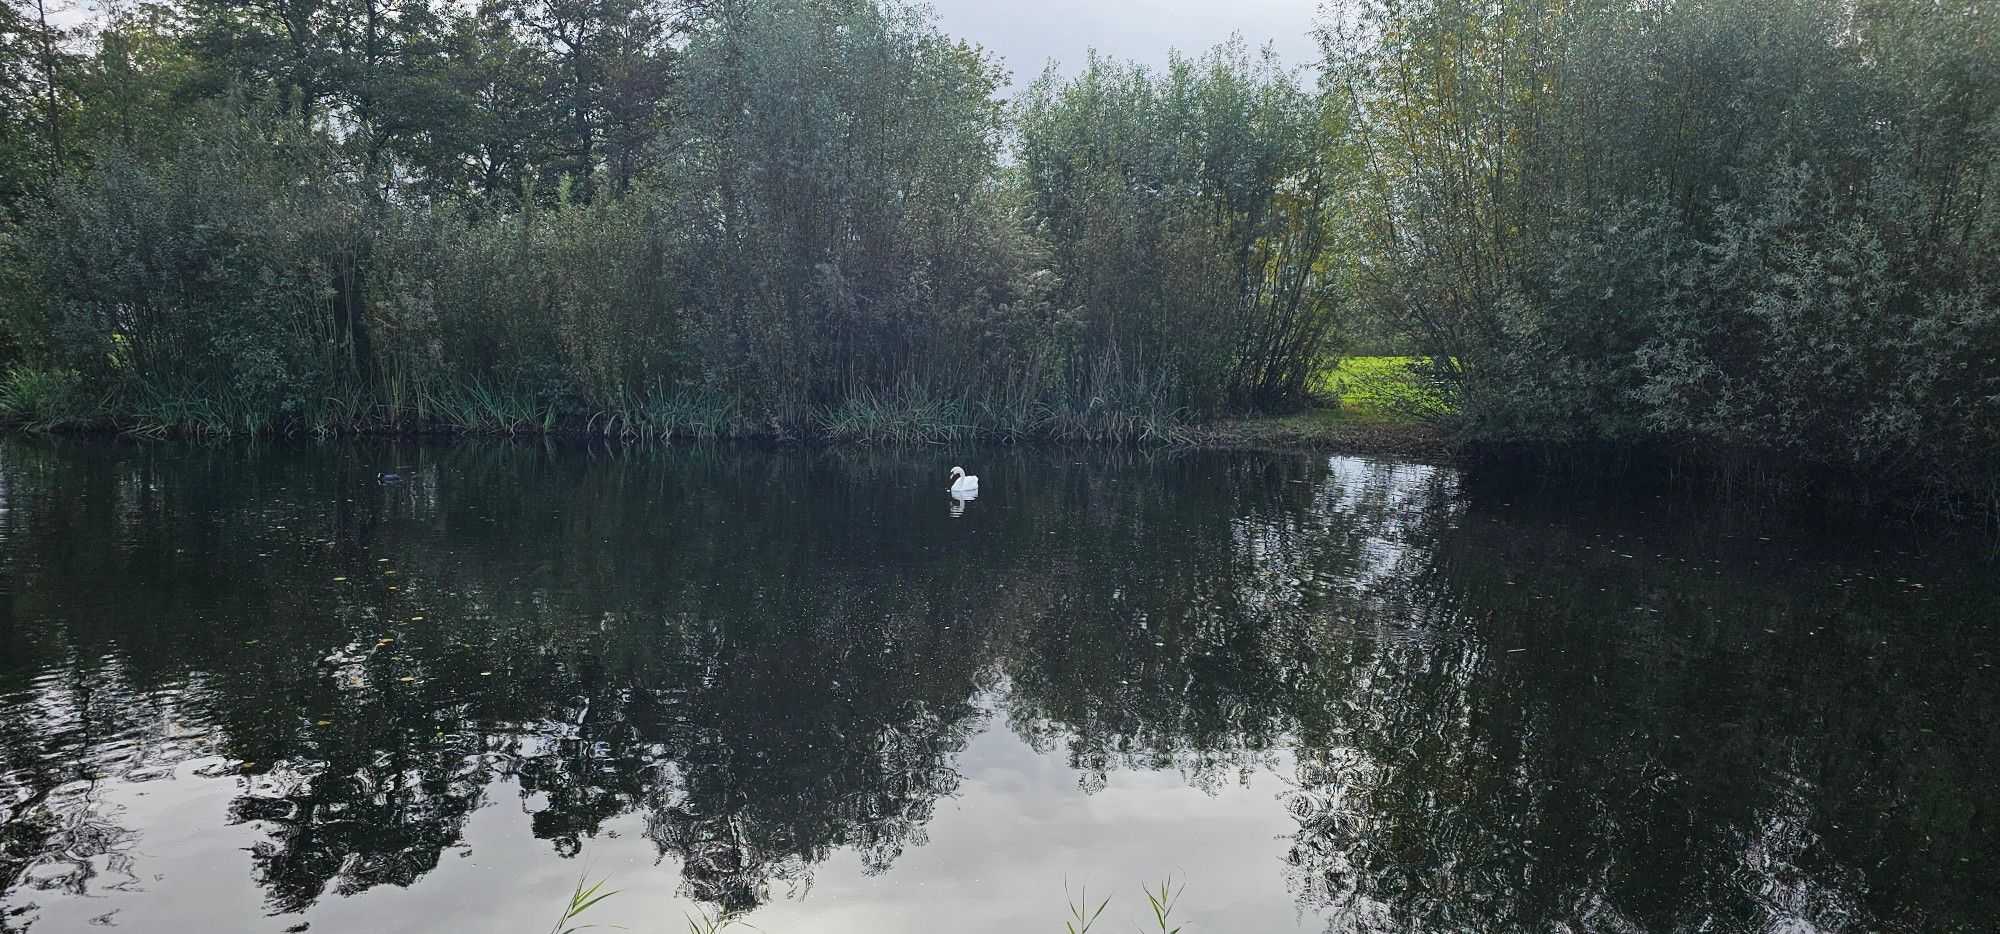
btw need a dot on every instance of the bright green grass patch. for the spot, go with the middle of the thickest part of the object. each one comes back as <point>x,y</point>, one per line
<point>1390,388</point>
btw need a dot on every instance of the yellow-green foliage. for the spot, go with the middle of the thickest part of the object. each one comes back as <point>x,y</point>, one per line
<point>1383,388</point>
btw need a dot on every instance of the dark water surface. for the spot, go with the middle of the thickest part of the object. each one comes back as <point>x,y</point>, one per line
<point>244,687</point>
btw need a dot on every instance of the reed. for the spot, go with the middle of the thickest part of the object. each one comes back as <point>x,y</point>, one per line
<point>1081,915</point>
<point>1084,914</point>
<point>1161,901</point>
<point>38,400</point>
<point>585,896</point>
<point>41,399</point>
<point>909,416</point>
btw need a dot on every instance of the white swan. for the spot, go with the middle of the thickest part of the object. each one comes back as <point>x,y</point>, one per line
<point>962,482</point>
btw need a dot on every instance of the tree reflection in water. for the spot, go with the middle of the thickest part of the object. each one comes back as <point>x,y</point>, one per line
<point>1487,715</point>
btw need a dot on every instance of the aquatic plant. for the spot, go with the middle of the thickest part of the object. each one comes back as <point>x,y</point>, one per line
<point>585,896</point>
<point>1081,914</point>
<point>1161,901</point>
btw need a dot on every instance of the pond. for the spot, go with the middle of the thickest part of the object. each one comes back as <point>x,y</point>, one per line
<point>248,687</point>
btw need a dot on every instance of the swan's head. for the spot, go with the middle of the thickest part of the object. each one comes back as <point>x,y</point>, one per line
<point>957,472</point>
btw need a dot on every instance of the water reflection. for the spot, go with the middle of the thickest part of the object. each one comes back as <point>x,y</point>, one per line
<point>1482,714</point>
<point>959,500</point>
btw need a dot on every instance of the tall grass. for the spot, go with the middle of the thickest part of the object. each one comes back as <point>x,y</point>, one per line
<point>1081,915</point>
<point>481,407</point>
<point>1161,901</point>
<point>44,399</point>
<point>191,407</point>
<point>581,899</point>
<point>914,416</point>
<point>908,416</point>
<point>661,416</point>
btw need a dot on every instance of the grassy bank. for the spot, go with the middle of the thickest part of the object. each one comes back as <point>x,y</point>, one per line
<point>1382,389</point>
<point>1331,430</point>
<point>38,403</point>
<point>1365,405</point>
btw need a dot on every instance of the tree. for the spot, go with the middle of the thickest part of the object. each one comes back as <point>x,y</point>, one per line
<point>1191,214</point>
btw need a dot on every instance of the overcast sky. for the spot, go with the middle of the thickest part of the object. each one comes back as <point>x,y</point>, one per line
<point>1027,33</point>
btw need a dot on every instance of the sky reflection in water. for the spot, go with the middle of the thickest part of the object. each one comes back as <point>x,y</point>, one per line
<point>244,688</point>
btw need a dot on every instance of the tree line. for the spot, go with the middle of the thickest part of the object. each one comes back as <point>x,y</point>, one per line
<point>645,217</point>
<point>1762,233</point>
<point>1752,231</point>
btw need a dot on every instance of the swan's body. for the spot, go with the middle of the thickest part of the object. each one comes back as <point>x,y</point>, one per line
<point>962,482</point>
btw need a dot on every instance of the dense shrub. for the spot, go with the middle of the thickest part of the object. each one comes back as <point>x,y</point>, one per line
<point>225,275</point>
<point>1752,229</point>
<point>1190,215</point>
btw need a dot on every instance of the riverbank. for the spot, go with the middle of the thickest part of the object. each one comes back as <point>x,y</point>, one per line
<point>1363,406</point>
<point>1332,431</point>
<point>1368,406</point>
<point>1325,430</point>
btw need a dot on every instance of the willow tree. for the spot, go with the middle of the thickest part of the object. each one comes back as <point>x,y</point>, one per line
<point>844,149</point>
<point>1190,214</point>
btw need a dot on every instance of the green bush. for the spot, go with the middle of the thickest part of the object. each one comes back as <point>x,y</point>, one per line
<point>1191,217</point>
<point>218,277</point>
<point>1755,230</point>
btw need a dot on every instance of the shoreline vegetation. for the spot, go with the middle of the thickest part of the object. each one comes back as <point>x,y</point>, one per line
<point>1365,406</point>
<point>1755,239</point>
<point>1161,898</point>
